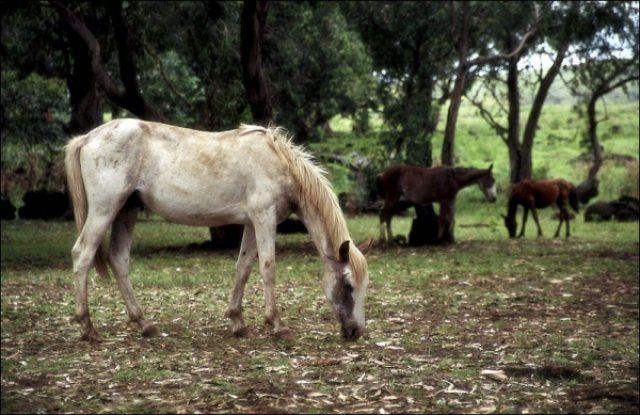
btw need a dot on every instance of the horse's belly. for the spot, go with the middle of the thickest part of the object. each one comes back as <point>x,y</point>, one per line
<point>196,211</point>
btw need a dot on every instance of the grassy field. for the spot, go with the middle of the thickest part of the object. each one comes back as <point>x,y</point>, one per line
<point>557,319</point>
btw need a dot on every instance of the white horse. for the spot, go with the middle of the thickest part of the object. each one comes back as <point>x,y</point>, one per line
<point>252,176</point>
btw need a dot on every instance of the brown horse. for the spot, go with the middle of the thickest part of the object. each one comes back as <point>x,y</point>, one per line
<point>423,185</point>
<point>538,194</point>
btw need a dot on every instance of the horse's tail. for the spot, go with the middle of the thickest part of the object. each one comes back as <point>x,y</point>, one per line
<point>79,196</point>
<point>379,186</point>
<point>573,198</point>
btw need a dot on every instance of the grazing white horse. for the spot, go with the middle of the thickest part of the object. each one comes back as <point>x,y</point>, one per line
<point>252,176</point>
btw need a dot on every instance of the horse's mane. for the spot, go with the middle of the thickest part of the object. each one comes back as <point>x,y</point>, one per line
<point>314,190</point>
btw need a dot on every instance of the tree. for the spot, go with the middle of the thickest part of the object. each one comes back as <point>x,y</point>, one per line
<point>130,97</point>
<point>564,25</point>
<point>316,66</point>
<point>461,27</point>
<point>604,68</point>
<point>253,18</point>
<point>405,41</point>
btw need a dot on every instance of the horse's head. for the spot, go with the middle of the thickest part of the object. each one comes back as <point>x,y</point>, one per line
<point>345,285</point>
<point>511,224</point>
<point>488,185</point>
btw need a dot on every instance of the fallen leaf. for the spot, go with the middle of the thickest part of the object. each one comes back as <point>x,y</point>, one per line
<point>498,375</point>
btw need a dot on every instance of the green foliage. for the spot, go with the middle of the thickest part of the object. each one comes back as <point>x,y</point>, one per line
<point>409,52</point>
<point>34,108</point>
<point>200,57</point>
<point>317,66</point>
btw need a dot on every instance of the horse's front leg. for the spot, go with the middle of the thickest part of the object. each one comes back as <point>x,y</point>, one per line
<point>248,253</point>
<point>534,213</point>
<point>525,215</point>
<point>119,254</point>
<point>265,230</point>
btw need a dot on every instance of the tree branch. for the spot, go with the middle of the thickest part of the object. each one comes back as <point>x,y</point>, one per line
<point>168,81</point>
<point>130,98</point>
<point>482,60</point>
<point>92,45</point>
<point>488,117</point>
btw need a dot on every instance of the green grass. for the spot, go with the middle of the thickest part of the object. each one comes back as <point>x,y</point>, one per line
<point>558,316</point>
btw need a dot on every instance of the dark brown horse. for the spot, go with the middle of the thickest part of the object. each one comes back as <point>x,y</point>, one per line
<point>423,185</point>
<point>538,194</point>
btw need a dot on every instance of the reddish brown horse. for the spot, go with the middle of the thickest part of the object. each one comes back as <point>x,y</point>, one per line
<point>422,185</point>
<point>538,194</point>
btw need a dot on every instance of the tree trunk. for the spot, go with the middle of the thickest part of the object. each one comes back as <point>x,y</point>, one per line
<point>513,126</point>
<point>448,155</point>
<point>598,157</point>
<point>588,189</point>
<point>253,19</point>
<point>448,209</point>
<point>131,98</point>
<point>85,102</point>
<point>526,166</point>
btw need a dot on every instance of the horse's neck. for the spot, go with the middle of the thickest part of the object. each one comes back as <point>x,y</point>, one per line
<point>326,231</point>
<point>466,177</point>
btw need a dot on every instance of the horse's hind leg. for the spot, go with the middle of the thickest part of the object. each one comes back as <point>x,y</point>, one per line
<point>385,220</point>
<point>119,254</point>
<point>564,216</point>
<point>248,253</point>
<point>83,253</point>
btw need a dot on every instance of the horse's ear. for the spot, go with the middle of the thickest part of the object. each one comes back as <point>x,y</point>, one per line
<point>365,246</point>
<point>490,166</point>
<point>343,252</point>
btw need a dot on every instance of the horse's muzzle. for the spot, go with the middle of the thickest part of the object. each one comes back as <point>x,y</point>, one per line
<point>352,331</point>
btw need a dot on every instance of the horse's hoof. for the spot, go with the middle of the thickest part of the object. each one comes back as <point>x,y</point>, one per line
<point>241,332</point>
<point>91,336</point>
<point>150,330</point>
<point>285,334</point>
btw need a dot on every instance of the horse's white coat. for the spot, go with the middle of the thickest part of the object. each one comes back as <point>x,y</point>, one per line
<point>251,176</point>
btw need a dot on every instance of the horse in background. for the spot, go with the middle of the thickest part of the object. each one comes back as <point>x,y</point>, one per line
<point>539,194</point>
<point>402,183</point>
<point>252,176</point>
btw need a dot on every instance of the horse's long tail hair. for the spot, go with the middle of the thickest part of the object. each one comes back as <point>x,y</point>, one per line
<point>573,198</point>
<point>79,196</point>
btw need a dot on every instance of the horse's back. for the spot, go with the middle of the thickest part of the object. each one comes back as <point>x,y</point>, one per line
<point>187,176</point>
<point>541,192</point>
